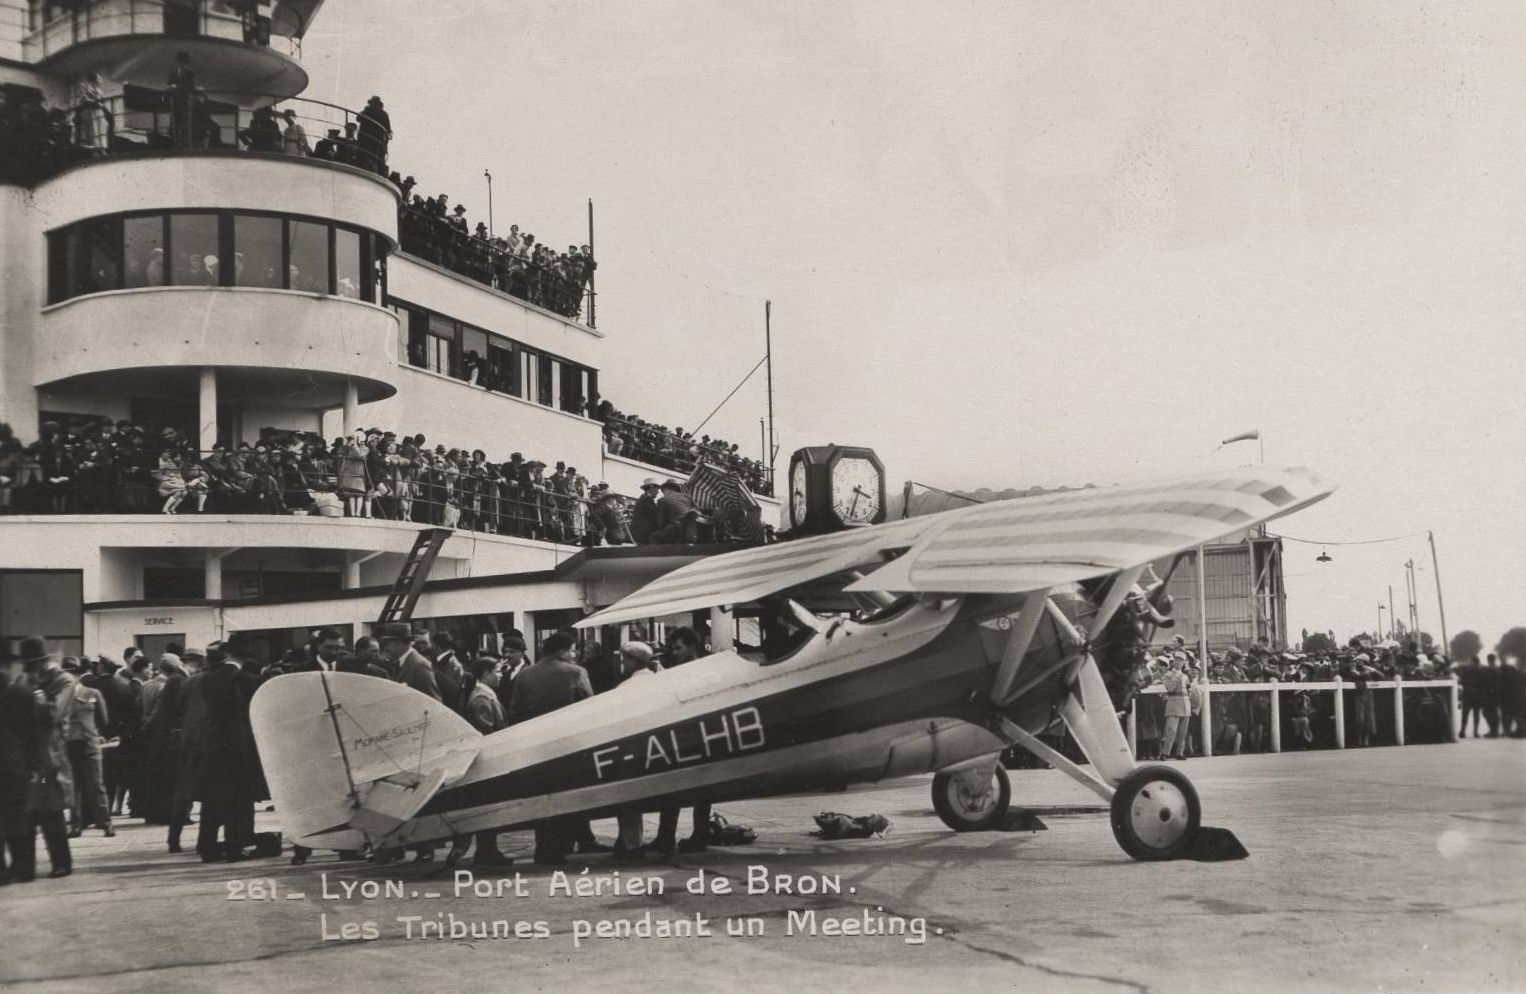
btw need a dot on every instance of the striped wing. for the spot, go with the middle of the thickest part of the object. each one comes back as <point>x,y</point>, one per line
<point>1032,543</point>
<point>746,575</point>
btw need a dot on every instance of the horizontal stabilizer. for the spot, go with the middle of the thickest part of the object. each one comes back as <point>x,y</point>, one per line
<point>349,757</point>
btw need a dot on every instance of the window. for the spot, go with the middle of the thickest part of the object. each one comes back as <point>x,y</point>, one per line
<point>545,380</point>
<point>442,345</point>
<point>100,258</point>
<point>501,359</point>
<point>348,266</point>
<point>143,251</point>
<point>473,340</point>
<point>308,264</point>
<point>257,251</point>
<point>193,241</point>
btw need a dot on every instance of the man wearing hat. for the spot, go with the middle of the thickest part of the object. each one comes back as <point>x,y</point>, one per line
<point>412,668</point>
<point>604,522</point>
<point>514,663</point>
<point>637,661</point>
<point>644,515</point>
<point>220,761</point>
<point>86,717</point>
<point>676,515</point>
<point>553,682</point>
<point>52,788</point>
<point>1173,742</point>
<point>1357,671</point>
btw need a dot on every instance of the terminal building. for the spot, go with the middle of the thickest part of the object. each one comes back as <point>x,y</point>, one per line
<point>165,264</point>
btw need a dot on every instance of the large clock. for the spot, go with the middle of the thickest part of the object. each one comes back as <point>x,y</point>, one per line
<point>833,487</point>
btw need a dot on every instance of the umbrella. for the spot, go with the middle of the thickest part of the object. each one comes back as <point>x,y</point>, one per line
<point>714,488</point>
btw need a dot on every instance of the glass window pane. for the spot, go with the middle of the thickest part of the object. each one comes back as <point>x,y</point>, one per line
<point>102,261</point>
<point>347,263</point>
<point>143,240</point>
<point>58,265</point>
<point>193,238</point>
<point>309,256</point>
<point>257,251</point>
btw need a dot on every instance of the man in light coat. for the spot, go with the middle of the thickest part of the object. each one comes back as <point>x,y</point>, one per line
<point>1178,709</point>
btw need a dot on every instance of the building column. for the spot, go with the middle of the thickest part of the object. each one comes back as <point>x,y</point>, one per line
<point>207,410</point>
<point>351,402</point>
<point>212,565</point>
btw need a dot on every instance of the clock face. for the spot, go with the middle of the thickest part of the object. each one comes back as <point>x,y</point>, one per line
<point>855,490</point>
<point>797,492</point>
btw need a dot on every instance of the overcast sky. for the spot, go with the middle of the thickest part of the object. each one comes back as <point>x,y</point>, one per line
<point>1032,243</point>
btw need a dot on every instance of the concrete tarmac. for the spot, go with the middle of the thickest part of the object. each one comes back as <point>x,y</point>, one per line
<point>1388,869</point>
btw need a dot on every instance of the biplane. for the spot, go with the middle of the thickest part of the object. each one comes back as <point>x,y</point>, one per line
<point>936,643</point>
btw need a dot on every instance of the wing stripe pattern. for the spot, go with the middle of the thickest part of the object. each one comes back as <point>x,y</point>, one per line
<point>1019,545</point>
<point>1006,547</point>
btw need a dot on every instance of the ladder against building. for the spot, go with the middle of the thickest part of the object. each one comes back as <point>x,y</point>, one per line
<point>414,574</point>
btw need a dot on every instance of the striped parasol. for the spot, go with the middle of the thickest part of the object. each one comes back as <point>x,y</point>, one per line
<point>715,489</point>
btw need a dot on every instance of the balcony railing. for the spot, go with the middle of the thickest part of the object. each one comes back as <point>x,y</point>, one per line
<point>551,285</point>
<point>142,119</point>
<point>65,24</point>
<point>283,485</point>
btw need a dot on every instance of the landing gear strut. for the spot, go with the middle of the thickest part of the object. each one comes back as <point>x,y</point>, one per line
<point>972,800</point>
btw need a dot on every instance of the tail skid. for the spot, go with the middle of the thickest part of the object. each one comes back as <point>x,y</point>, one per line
<point>351,758</point>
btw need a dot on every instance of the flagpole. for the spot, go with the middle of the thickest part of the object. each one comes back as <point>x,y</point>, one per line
<point>768,356</point>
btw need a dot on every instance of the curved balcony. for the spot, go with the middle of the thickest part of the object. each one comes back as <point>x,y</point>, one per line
<point>137,41</point>
<point>298,348</point>
<point>152,178</point>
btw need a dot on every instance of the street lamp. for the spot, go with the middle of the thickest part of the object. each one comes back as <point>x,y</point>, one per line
<point>489,202</point>
<point>1324,557</point>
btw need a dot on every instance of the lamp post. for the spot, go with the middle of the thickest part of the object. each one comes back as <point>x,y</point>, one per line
<point>489,202</point>
<point>1379,632</point>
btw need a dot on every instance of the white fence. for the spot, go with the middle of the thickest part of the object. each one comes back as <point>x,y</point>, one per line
<point>1398,685</point>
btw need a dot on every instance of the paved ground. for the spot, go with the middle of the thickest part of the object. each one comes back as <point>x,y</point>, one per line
<point>1382,870</point>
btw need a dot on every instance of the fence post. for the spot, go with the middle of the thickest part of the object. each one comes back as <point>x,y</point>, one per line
<point>1340,714</point>
<point>1134,725</point>
<point>1452,716</point>
<point>1398,709</point>
<point>1206,729</point>
<point>1276,719</point>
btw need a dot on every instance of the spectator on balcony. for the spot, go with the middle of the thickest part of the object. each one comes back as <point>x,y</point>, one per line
<point>375,133</point>
<point>263,134</point>
<point>644,516</point>
<point>328,146</point>
<point>183,100</point>
<point>678,520</point>
<point>353,484</point>
<point>294,138</point>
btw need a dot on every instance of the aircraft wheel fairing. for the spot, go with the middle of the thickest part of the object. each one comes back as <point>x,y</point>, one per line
<point>970,804</point>
<point>1156,813</point>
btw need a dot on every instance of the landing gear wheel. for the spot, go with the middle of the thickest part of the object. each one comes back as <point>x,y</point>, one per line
<point>1156,813</point>
<point>971,807</point>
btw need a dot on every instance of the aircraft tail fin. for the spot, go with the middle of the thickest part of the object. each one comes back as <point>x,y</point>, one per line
<point>350,758</point>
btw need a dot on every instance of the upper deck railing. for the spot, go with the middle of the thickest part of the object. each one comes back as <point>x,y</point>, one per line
<point>56,26</point>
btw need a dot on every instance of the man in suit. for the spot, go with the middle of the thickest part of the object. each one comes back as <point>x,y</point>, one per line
<point>225,764</point>
<point>677,517</point>
<point>644,515</point>
<point>322,653</point>
<point>18,763</point>
<point>554,682</point>
<point>449,673</point>
<point>52,788</point>
<point>412,667</point>
<point>486,714</point>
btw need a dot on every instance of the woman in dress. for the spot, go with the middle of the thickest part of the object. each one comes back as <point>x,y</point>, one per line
<point>353,483</point>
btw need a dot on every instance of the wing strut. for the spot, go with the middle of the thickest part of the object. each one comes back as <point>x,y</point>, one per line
<point>1017,645</point>
<point>1122,584</point>
<point>344,757</point>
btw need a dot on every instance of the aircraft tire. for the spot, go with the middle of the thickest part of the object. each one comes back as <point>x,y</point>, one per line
<point>959,813</point>
<point>1156,813</point>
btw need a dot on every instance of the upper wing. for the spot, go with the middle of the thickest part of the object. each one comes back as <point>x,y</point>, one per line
<point>1012,546</point>
<point>746,575</point>
<point>1034,543</point>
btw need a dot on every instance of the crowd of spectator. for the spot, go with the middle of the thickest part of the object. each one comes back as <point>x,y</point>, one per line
<point>675,449</point>
<point>38,140</point>
<point>430,228</point>
<point>85,740</point>
<point>1167,721</point>
<point>101,466</point>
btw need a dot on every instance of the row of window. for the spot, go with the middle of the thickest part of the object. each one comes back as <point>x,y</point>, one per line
<point>212,248</point>
<point>435,342</point>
